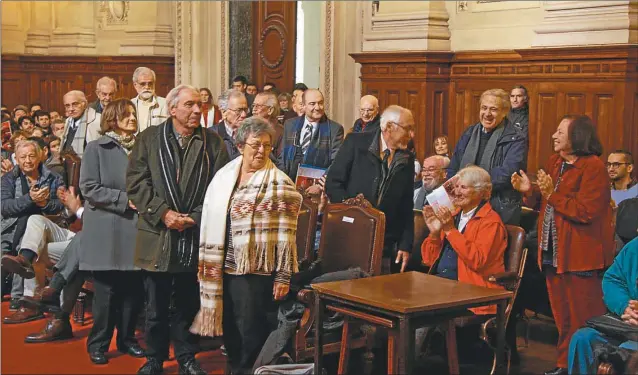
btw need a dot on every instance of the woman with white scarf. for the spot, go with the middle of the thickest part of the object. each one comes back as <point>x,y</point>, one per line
<point>247,250</point>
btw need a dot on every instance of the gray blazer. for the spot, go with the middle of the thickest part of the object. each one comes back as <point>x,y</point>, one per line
<point>109,224</point>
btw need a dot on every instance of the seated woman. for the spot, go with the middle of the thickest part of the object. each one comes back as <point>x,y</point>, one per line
<point>248,236</point>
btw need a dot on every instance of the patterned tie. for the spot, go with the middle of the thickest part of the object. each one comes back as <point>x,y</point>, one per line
<point>305,143</point>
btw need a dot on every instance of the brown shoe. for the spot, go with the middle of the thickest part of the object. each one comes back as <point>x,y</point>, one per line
<point>23,315</point>
<point>55,329</point>
<point>18,265</point>
<point>45,298</point>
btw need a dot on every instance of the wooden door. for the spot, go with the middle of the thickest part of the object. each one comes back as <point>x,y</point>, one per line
<point>274,42</point>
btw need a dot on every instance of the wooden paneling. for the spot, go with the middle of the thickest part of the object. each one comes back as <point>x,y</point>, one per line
<point>601,82</point>
<point>45,79</point>
<point>274,43</point>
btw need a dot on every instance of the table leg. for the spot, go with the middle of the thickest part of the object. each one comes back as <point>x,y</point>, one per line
<point>319,307</point>
<point>405,346</point>
<point>500,336</point>
<point>393,364</point>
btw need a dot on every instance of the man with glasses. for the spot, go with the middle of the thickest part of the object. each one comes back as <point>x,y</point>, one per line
<point>379,166</point>
<point>433,175</point>
<point>620,164</point>
<point>105,89</point>
<point>82,125</point>
<point>151,109</point>
<point>234,107</point>
<point>266,106</point>
<point>369,112</point>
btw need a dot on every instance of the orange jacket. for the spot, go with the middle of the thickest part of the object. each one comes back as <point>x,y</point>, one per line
<point>480,250</point>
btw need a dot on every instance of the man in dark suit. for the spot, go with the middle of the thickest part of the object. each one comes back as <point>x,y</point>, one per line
<point>105,89</point>
<point>169,170</point>
<point>234,107</point>
<point>379,166</point>
<point>311,139</point>
<point>369,112</point>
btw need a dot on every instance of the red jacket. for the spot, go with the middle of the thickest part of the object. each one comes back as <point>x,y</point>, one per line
<point>480,250</point>
<point>582,213</point>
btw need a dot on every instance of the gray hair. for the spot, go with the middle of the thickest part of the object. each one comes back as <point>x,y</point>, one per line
<point>442,161</point>
<point>498,93</point>
<point>224,98</point>
<point>105,81</point>
<point>29,143</point>
<point>141,70</point>
<point>271,101</point>
<point>253,126</point>
<point>77,93</point>
<point>478,178</point>
<point>391,114</point>
<point>173,96</point>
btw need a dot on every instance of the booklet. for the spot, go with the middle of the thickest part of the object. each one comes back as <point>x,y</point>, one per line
<point>308,175</point>
<point>443,195</point>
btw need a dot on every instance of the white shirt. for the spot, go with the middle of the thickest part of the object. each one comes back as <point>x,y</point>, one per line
<point>304,129</point>
<point>229,130</point>
<point>465,217</point>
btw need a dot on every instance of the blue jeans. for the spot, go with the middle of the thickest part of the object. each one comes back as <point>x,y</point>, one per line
<point>581,350</point>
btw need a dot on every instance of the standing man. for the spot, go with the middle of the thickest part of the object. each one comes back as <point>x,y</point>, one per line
<point>170,168</point>
<point>379,166</point>
<point>369,112</point>
<point>310,139</point>
<point>234,109</point>
<point>266,106</point>
<point>151,109</point>
<point>82,125</point>
<point>497,146</point>
<point>620,164</point>
<point>519,113</point>
<point>105,89</point>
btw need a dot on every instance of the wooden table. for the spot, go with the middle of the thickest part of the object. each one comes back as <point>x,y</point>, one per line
<point>402,303</point>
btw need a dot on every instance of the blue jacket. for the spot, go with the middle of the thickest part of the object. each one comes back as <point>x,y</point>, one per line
<point>510,156</point>
<point>620,283</point>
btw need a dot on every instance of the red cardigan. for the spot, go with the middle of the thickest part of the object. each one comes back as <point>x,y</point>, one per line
<point>582,213</point>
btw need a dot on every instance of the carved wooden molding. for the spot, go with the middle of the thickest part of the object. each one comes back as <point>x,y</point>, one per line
<point>280,59</point>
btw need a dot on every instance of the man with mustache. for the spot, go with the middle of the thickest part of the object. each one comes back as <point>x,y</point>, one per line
<point>82,125</point>
<point>151,109</point>
<point>497,146</point>
<point>433,175</point>
<point>105,89</point>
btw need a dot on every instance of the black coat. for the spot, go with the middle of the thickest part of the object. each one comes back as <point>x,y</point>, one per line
<point>357,169</point>
<point>232,150</point>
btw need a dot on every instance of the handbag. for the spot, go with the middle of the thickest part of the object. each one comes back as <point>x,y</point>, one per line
<point>613,326</point>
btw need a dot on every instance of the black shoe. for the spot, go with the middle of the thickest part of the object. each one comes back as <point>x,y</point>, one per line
<point>98,358</point>
<point>557,371</point>
<point>191,367</point>
<point>151,367</point>
<point>15,304</point>
<point>134,350</point>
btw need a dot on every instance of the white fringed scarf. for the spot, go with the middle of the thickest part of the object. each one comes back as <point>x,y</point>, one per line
<point>264,229</point>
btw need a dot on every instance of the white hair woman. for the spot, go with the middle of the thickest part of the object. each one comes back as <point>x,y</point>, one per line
<point>248,250</point>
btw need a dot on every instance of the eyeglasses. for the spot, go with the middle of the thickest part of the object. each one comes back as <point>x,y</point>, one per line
<point>73,105</point>
<point>239,111</point>
<point>615,165</point>
<point>431,170</point>
<point>145,84</point>
<point>366,110</point>
<point>258,146</point>
<point>409,129</point>
<point>257,105</point>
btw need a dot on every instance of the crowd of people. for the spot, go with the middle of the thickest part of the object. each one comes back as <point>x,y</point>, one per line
<point>189,205</point>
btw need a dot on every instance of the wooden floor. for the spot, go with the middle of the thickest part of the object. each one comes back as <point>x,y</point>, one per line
<point>69,357</point>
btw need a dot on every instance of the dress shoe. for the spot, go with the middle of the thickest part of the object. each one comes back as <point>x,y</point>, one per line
<point>151,367</point>
<point>47,298</point>
<point>15,304</point>
<point>23,315</point>
<point>55,329</point>
<point>191,367</point>
<point>134,350</point>
<point>19,265</point>
<point>557,371</point>
<point>98,358</point>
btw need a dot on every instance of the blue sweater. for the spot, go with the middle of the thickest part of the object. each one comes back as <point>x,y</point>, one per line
<point>620,280</point>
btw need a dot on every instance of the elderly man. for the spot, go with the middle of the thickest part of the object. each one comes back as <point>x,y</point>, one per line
<point>519,113</point>
<point>83,124</point>
<point>379,166</point>
<point>620,164</point>
<point>311,139</point>
<point>151,109</point>
<point>369,112</point>
<point>432,176</point>
<point>266,106</point>
<point>170,168</point>
<point>105,89</point>
<point>234,109</point>
<point>497,146</point>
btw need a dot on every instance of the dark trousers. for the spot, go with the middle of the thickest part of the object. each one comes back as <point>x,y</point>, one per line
<point>247,299</point>
<point>162,324</point>
<point>117,301</point>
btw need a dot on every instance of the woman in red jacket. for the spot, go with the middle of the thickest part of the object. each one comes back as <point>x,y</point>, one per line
<point>575,237</point>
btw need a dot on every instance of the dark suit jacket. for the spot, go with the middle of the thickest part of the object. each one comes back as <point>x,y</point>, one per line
<point>232,150</point>
<point>371,127</point>
<point>324,145</point>
<point>96,106</point>
<point>357,170</point>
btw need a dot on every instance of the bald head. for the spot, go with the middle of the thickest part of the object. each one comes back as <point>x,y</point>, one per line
<point>433,171</point>
<point>74,103</point>
<point>313,105</point>
<point>368,108</point>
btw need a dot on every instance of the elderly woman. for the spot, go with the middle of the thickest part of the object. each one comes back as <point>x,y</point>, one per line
<point>575,235</point>
<point>247,246</point>
<point>109,226</point>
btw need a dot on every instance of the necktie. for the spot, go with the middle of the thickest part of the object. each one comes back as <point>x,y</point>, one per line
<point>386,164</point>
<point>305,143</point>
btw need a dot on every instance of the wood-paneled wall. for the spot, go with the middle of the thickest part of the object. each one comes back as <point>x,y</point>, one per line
<point>601,82</point>
<point>45,79</point>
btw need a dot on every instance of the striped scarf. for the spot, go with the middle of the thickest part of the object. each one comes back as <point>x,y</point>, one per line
<point>263,216</point>
<point>549,228</point>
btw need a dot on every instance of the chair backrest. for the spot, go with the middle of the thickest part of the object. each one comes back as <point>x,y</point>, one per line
<point>306,231</point>
<point>516,253</point>
<point>421,231</point>
<point>352,236</point>
<point>529,218</point>
<point>72,163</point>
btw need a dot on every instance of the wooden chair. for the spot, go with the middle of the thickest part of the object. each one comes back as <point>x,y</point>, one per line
<point>352,236</point>
<point>515,257</point>
<point>421,232</point>
<point>306,231</point>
